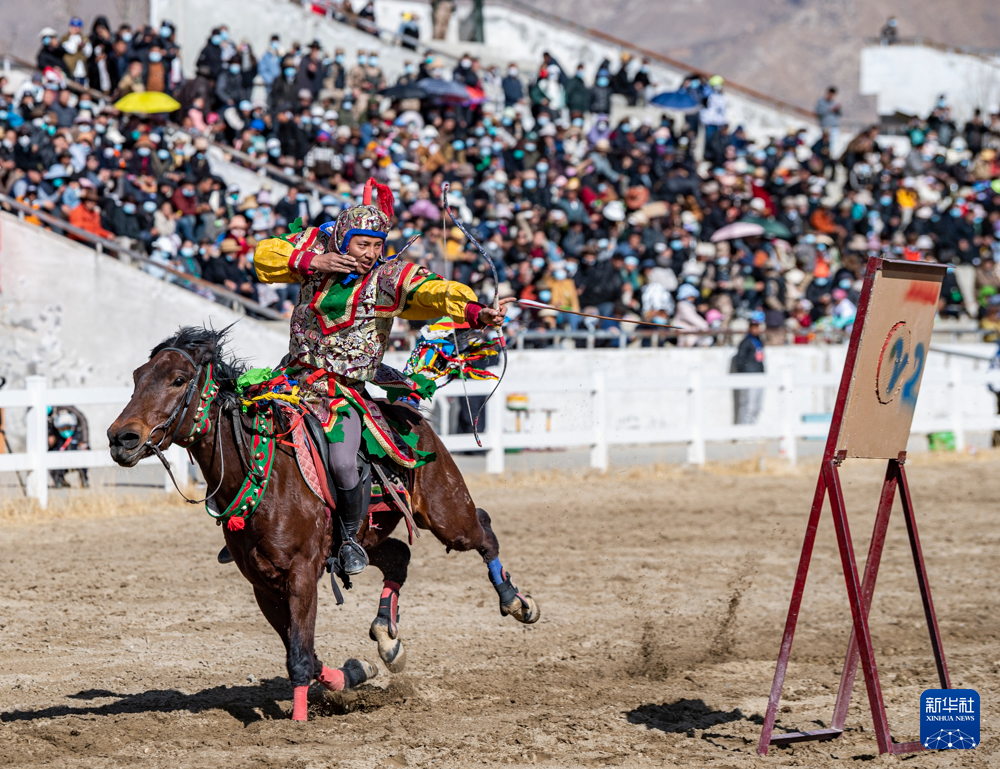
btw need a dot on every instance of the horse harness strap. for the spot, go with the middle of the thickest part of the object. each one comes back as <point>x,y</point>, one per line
<point>200,424</point>
<point>387,485</point>
<point>255,483</point>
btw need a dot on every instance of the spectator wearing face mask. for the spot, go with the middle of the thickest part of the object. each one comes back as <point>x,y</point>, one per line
<point>76,50</point>
<point>210,59</point>
<point>102,69</point>
<point>51,54</point>
<point>577,94</point>
<point>229,88</point>
<point>68,431</point>
<point>641,83</point>
<point>563,294</point>
<point>295,205</point>
<point>87,216</point>
<point>185,203</point>
<point>284,93</point>
<point>513,88</point>
<point>231,269</point>
<point>600,93</point>
<point>124,223</point>
<point>312,70</point>
<point>269,67</point>
<point>157,73</point>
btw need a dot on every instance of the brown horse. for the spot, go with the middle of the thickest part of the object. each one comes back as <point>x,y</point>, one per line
<point>282,549</point>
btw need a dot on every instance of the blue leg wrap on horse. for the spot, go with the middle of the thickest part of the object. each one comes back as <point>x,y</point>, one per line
<point>496,571</point>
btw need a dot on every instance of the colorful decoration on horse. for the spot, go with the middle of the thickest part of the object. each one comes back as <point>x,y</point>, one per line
<point>263,384</point>
<point>448,350</point>
<point>255,483</point>
<point>200,422</point>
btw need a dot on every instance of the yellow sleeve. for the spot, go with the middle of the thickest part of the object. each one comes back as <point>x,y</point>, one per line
<point>278,261</point>
<point>435,298</point>
<point>270,260</point>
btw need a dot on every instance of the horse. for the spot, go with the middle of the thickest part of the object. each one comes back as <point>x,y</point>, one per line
<point>282,548</point>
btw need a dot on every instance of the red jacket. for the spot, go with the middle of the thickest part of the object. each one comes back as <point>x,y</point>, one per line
<point>186,206</point>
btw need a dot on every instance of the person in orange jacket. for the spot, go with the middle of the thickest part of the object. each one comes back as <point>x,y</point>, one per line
<point>87,216</point>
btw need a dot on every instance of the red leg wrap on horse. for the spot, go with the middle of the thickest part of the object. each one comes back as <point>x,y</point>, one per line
<point>300,704</point>
<point>332,679</point>
<point>389,586</point>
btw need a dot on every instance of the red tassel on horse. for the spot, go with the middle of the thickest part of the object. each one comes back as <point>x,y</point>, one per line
<point>236,523</point>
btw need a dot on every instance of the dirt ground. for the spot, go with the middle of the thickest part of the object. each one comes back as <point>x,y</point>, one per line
<point>663,594</point>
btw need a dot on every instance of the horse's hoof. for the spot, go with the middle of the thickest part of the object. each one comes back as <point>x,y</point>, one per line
<point>356,672</point>
<point>390,648</point>
<point>393,655</point>
<point>523,608</point>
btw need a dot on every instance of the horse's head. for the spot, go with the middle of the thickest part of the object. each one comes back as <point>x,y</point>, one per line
<point>167,394</point>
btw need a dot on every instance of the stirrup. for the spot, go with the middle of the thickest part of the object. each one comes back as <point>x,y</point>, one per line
<point>353,558</point>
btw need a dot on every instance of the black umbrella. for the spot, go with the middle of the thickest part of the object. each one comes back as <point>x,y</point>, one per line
<point>446,90</point>
<point>405,91</point>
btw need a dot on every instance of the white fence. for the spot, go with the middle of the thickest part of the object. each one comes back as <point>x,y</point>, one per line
<point>686,394</point>
<point>37,460</point>
<point>696,430</point>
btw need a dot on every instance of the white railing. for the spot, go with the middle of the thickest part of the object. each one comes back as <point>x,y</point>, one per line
<point>595,433</point>
<point>37,460</point>
<point>697,430</point>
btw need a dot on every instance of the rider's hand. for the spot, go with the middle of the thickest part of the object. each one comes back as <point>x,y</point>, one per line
<point>490,317</point>
<point>333,262</point>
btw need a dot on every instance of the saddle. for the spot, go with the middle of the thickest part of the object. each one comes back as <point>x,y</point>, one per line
<point>390,484</point>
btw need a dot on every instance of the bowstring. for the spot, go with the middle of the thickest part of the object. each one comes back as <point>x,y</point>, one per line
<point>446,208</point>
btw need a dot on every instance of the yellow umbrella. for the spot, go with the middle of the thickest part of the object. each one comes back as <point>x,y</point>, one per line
<point>147,102</point>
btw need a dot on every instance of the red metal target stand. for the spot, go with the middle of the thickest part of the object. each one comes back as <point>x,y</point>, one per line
<point>878,309</point>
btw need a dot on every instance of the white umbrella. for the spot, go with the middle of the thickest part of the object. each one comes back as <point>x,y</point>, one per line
<point>737,230</point>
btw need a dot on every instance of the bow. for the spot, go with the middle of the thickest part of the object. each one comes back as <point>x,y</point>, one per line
<point>496,306</point>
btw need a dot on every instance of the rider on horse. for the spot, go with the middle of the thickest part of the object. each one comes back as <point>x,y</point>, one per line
<point>351,292</point>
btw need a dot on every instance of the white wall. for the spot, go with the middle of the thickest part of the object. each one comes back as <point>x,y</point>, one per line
<point>909,79</point>
<point>81,318</point>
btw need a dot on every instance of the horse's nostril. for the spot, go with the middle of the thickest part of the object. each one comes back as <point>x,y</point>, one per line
<point>128,439</point>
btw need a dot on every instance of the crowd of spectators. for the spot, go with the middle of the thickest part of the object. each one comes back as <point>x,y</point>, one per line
<point>576,210</point>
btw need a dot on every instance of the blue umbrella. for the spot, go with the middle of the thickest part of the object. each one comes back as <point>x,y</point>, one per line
<point>681,101</point>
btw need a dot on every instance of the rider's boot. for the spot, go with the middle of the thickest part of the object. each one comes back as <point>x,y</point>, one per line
<point>352,504</point>
<point>224,555</point>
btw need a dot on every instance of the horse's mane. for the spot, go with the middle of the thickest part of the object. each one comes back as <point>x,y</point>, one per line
<point>206,345</point>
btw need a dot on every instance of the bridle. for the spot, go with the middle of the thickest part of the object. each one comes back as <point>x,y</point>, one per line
<point>201,423</point>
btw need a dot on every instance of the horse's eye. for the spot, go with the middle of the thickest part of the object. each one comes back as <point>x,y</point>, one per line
<point>178,382</point>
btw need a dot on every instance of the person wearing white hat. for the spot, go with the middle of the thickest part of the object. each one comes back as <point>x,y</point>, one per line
<point>50,55</point>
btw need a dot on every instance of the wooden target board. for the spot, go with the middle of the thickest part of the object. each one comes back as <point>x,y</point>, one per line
<point>881,393</point>
<point>871,419</point>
